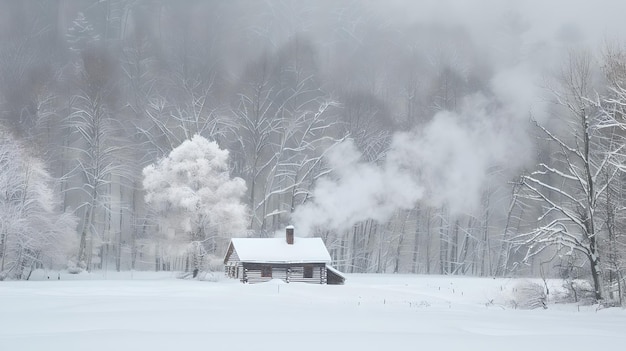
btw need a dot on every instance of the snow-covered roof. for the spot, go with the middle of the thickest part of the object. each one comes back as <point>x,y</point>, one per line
<point>276,250</point>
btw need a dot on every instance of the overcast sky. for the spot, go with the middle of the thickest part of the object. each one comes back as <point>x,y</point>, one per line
<point>449,159</point>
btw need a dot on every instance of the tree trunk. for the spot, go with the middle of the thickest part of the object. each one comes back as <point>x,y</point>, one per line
<point>428,242</point>
<point>595,276</point>
<point>416,237</point>
<point>82,248</point>
<point>454,248</point>
<point>3,237</point>
<point>443,245</point>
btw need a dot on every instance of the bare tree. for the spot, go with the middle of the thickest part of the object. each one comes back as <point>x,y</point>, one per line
<point>97,146</point>
<point>612,106</point>
<point>570,188</point>
<point>256,115</point>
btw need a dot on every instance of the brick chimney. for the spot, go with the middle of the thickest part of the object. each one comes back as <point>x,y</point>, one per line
<point>289,234</point>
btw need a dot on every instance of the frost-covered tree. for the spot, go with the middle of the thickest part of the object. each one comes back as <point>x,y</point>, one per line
<point>98,147</point>
<point>197,200</point>
<point>569,188</point>
<point>258,126</point>
<point>81,33</point>
<point>33,230</point>
<point>612,105</point>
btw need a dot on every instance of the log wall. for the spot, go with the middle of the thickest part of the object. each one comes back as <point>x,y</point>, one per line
<point>253,273</point>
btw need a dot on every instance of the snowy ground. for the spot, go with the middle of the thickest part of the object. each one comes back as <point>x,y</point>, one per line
<point>371,312</point>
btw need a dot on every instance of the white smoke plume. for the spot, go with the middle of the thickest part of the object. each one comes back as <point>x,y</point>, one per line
<point>449,159</point>
<point>445,162</point>
<point>357,191</point>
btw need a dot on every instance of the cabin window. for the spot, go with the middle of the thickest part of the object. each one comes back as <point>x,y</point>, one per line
<point>308,271</point>
<point>266,271</point>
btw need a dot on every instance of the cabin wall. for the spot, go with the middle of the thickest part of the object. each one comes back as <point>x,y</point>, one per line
<point>318,275</point>
<point>232,265</point>
<point>234,270</point>
<point>234,257</point>
<point>253,273</point>
<point>334,277</point>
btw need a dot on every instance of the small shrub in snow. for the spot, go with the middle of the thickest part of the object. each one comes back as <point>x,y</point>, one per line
<point>575,291</point>
<point>210,276</point>
<point>584,291</point>
<point>529,295</point>
<point>184,275</point>
<point>72,268</point>
<point>207,276</point>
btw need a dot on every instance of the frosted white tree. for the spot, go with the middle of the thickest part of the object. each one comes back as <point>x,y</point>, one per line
<point>33,230</point>
<point>199,203</point>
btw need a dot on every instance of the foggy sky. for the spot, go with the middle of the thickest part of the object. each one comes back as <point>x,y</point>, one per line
<point>448,160</point>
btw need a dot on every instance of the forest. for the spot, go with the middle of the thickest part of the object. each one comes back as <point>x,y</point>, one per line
<point>466,139</point>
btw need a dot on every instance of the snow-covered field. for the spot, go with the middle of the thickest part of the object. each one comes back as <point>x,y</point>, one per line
<point>143,311</point>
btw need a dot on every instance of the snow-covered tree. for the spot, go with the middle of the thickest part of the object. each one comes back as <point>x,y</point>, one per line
<point>199,203</point>
<point>33,230</point>
<point>98,146</point>
<point>612,106</point>
<point>81,33</point>
<point>569,188</point>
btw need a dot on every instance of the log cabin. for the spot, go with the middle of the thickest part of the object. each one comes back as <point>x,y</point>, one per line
<point>291,259</point>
